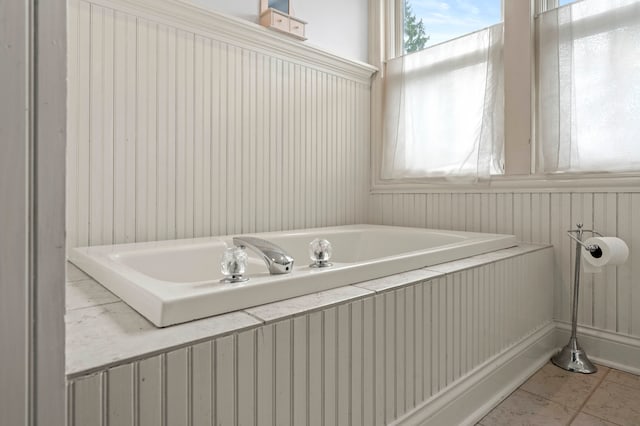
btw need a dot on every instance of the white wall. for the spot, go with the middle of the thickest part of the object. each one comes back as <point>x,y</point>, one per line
<point>335,25</point>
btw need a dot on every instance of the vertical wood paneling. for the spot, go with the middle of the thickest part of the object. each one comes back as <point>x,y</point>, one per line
<point>300,370</point>
<point>329,364</point>
<point>623,276</point>
<point>96,108</point>
<point>120,409</point>
<point>634,262</point>
<point>202,375</point>
<point>177,389</point>
<point>400,349</point>
<point>150,387</point>
<point>389,349</point>
<point>368,362</point>
<point>358,369</point>
<point>316,372</point>
<point>364,362</point>
<point>379,359</point>
<point>246,392</point>
<point>283,378</point>
<point>87,401</point>
<point>410,341</point>
<point>343,368</point>
<point>226,375</point>
<point>175,134</point>
<point>266,379</point>
<point>606,298</point>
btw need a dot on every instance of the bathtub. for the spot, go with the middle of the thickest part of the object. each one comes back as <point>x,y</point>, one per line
<point>171,282</point>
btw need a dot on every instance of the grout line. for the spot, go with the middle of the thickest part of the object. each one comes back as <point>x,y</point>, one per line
<point>69,310</point>
<point>624,385</point>
<point>262,321</point>
<point>589,396</point>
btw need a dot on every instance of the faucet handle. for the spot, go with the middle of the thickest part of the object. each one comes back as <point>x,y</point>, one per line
<point>320,253</point>
<point>233,265</point>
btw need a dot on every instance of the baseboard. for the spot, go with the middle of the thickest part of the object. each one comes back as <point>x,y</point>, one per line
<point>614,350</point>
<point>465,401</point>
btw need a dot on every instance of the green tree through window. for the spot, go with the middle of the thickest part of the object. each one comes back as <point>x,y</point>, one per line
<point>415,37</point>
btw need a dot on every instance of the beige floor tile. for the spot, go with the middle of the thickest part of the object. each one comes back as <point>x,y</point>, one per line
<point>525,409</point>
<point>623,378</point>
<point>616,403</point>
<point>583,419</point>
<point>564,387</point>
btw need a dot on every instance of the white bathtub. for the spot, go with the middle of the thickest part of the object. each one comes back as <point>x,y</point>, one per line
<point>170,282</point>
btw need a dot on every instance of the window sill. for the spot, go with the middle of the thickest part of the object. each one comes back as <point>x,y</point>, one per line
<point>583,182</point>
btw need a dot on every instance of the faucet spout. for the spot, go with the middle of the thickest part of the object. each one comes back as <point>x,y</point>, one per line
<point>277,260</point>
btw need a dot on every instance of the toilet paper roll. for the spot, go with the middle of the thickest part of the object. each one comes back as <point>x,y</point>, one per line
<point>612,251</point>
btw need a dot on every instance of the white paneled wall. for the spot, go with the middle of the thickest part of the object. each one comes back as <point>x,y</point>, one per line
<point>360,363</point>
<point>174,133</point>
<point>609,301</point>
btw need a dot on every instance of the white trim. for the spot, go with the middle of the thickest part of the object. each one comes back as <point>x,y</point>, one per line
<point>241,33</point>
<point>465,401</point>
<point>619,182</point>
<point>614,350</point>
<point>32,266</point>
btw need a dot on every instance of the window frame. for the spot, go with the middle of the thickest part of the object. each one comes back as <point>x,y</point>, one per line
<point>520,107</point>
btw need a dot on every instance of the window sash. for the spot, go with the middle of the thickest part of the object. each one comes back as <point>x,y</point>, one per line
<point>577,68</point>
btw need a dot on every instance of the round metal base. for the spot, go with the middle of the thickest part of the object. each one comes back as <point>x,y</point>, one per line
<point>573,358</point>
<point>232,279</point>
<point>320,265</point>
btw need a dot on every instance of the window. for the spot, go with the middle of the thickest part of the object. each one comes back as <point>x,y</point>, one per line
<point>589,87</point>
<point>444,102</point>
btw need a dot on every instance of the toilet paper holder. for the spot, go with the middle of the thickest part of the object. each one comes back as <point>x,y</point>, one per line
<point>593,248</point>
<point>572,357</point>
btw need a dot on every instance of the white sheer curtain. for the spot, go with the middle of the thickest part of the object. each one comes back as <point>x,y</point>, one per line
<point>589,87</point>
<point>444,110</point>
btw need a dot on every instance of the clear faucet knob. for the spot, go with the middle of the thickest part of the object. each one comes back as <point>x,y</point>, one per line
<point>320,253</point>
<point>233,265</point>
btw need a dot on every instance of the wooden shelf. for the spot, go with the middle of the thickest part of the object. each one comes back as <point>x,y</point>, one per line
<point>280,21</point>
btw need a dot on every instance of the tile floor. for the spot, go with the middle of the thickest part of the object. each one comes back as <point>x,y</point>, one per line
<point>554,396</point>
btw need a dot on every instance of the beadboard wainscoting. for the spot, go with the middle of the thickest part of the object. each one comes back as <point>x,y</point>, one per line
<point>367,361</point>
<point>608,301</point>
<point>185,123</point>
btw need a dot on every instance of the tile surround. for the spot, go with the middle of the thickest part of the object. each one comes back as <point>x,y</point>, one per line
<point>86,294</point>
<point>399,280</point>
<point>108,334</point>
<point>304,304</point>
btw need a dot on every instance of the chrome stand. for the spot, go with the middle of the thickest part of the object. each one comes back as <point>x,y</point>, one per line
<point>572,357</point>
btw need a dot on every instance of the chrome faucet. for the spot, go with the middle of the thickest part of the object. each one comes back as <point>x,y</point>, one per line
<point>277,260</point>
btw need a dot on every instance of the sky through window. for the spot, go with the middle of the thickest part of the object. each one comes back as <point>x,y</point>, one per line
<point>447,19</point>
